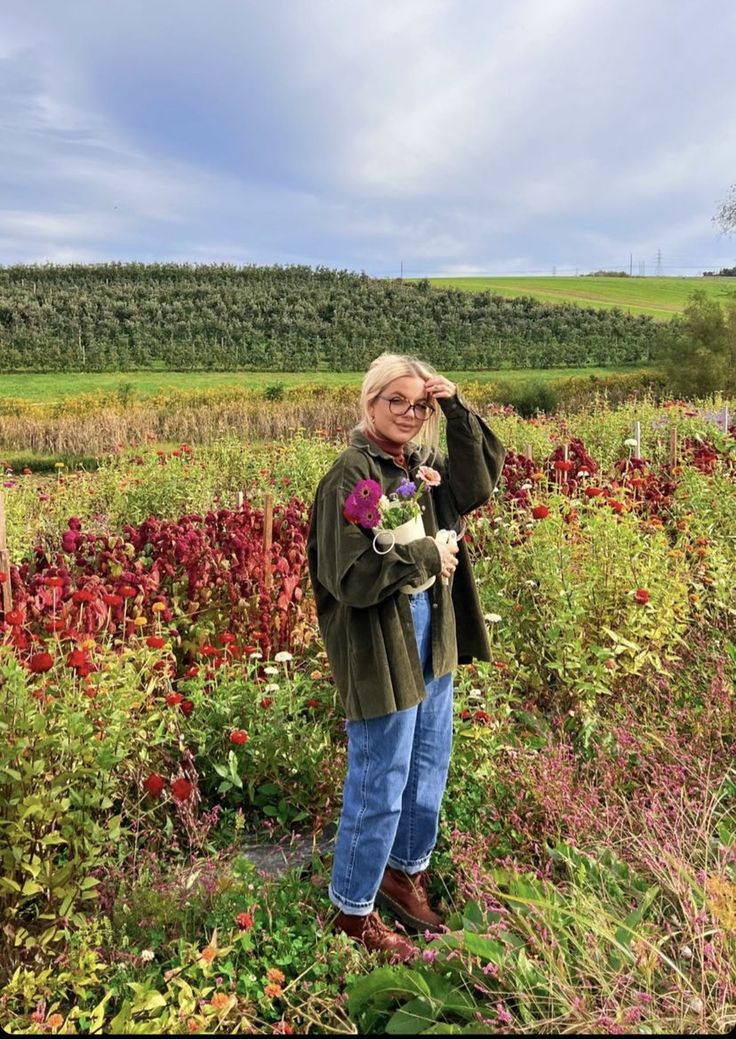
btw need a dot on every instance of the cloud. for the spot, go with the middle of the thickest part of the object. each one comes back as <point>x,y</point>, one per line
<point>469,136</point>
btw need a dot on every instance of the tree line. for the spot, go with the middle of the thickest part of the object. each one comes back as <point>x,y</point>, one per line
<point>118,317</point>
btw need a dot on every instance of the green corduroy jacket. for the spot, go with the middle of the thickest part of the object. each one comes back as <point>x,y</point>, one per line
<point>364,619</point>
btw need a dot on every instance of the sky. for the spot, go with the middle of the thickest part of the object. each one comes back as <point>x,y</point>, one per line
<point>422,137</point>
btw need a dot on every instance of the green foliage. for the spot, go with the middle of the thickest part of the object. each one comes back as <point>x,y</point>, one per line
<point>122,317</point>
<point>700,355</point>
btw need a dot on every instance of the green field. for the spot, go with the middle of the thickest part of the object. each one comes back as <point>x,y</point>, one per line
<point>660,298</point>
<point>53,386</point>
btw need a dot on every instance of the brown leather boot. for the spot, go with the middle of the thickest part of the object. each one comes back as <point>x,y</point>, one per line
<point>406,896</point>
<point>373,933</point>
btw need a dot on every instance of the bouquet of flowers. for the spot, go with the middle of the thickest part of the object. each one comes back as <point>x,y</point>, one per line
<point>368,507</point>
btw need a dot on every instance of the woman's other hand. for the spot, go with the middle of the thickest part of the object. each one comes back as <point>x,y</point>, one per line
<point>448,555</point>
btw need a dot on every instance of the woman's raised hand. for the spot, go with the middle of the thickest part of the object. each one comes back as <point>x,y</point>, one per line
<point>439,386</point>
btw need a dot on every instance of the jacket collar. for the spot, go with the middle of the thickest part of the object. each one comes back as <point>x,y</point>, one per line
<point>363,443</point>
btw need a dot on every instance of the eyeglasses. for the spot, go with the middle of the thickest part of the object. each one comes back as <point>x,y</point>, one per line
<point>401,406</point>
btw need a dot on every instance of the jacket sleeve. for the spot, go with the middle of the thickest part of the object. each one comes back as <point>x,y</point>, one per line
<point>344,560</point>
<point>474,459</point>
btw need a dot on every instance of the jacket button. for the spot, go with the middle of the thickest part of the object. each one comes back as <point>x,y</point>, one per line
<point>434,605</point>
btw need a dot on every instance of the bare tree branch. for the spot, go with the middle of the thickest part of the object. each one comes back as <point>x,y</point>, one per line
<point>725,218</point>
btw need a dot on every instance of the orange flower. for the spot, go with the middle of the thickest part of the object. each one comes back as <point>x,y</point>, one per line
<point>272,991</point>
<point>275,975</point>
<point>220,1001</point>
<point>208,953</point>
<point>55,1021</point>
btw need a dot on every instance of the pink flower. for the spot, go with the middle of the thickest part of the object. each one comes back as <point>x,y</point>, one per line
<point>430,476</point>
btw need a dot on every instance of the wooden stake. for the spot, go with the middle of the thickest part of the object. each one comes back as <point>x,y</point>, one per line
<point>637,437</point>
<point>268,537</point>
<point>240,499</point>
<point>725,418</point>
<point>6,596</point>
<point>528,452</point>
<point>673,446</point>
<point>565,453</point>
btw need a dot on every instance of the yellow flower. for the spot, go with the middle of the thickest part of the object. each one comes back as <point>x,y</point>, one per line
<point>158,607</point>
<point>140,621</point>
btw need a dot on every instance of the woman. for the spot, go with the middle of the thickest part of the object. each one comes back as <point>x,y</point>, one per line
<point>391,653</point>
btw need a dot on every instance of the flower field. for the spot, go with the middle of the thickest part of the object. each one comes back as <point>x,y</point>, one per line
<point>165,699</point>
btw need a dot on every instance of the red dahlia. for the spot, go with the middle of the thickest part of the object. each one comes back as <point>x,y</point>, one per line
<point>181,789</point>
<point>154,784</point>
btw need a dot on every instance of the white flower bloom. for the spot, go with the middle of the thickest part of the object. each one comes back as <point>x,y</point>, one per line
<point>532,584</point>
<point>283,657</point>
<point>147,955</point>
<point>475,694</point>
<point>526,486</point>
<point>256,655</point>
<point>583,472</point>
<point>493,618</point>
<point>272,687</point>
<point>270,670</point>
<point>631,442</point>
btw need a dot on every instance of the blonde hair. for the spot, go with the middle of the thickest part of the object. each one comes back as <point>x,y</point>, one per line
<point>384,370</point>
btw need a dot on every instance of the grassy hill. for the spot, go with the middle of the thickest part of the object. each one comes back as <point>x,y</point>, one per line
<point>660,298</point>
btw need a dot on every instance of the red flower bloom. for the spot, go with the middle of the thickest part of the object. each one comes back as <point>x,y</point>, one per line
<point>172,699</point>
<point>244,921</point>
<point>239,736</point>
<point>77,658</point>
<point>266,702</point>
<point>465,715</point>
<point>83,595</point>
<point>191,672</point>
<point>482,717</point>
<point>540,512</point>
<point>54,581</point>
<point>128,591</point>
<point>227,638</point>
<point>41,662</point>
<point>154,784</point>
<point>641,595</point>
<point>312,703</point>
<point>186,707</point>
<point>111,599</point>
<point>14,617</point>
<point>593,492</point>
<point>155,642</point>
<point>181,789</point>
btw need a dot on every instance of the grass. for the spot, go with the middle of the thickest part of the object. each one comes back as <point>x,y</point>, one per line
<point>53,386</point>
<point>660,298</point>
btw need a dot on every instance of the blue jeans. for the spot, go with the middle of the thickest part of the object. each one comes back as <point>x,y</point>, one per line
<point>397,772</point>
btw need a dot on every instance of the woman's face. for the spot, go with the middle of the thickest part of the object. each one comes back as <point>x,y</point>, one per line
<point>387,417</point>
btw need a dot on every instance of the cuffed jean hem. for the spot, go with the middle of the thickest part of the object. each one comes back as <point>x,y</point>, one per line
<point>347,907</point>
<point>417,866</point>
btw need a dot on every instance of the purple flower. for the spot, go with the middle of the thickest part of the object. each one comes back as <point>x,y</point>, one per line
<point>406,488</point>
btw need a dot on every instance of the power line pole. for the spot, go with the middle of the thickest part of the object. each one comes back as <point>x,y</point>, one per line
<point>659,263</point>
<point>631,264</point>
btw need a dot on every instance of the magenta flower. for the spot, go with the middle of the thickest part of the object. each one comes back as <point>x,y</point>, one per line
<point>367,492</point>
